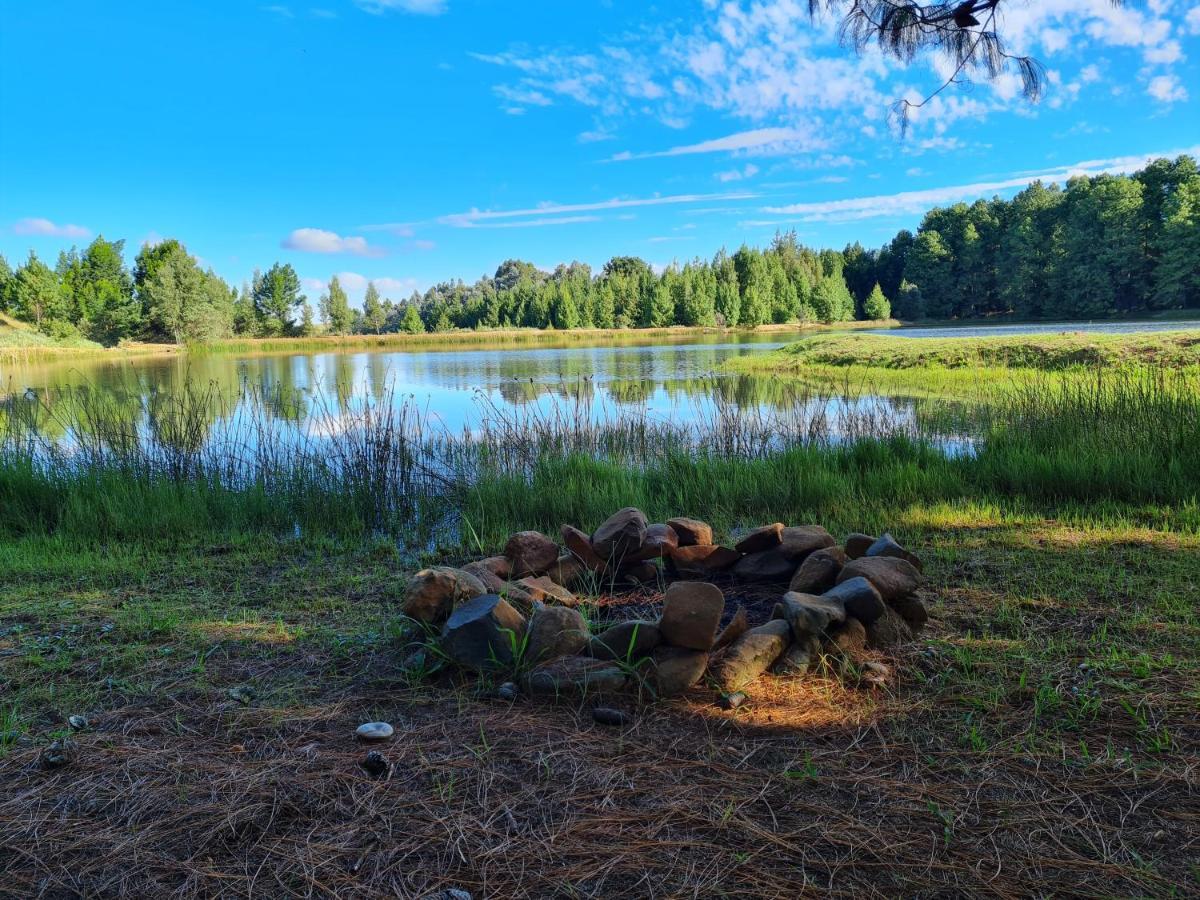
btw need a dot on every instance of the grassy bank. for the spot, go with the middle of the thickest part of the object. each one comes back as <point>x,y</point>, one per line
<point>21,342</point>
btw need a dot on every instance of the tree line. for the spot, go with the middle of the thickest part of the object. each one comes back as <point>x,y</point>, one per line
<point>1101,246</point>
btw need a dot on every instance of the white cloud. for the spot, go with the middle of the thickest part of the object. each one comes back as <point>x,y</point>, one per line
<point>355,285</point>
<point>416,7</point>
<point>316,240</point>
<point>1166,89</point>
<point>764,141</point>
<point>473,217</point>
<point>46,228</point>
<point>530,223</point>
<point>282,11</point>
<point>1192,19</point>
<point>748,171</point>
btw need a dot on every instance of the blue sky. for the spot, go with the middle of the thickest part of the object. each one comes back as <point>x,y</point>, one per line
<point>411,141</point>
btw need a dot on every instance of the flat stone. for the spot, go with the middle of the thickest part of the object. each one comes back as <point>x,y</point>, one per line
<point>621,535</point>
<point>629,640</point>
<point>859,597</point>
<point>887,546</point>
<point>483,634</point>
<point>691,614</point>
<point>691,532</point>
<point>738,625</point>
<point>819,571</point>
<point>857,544</point>
<point>432,594</point>
<point>762,538</point>
<point>766,566</point>
<point>659,541</point>
<point>892,577</point>
<point>374,731</point>
<point>889,630</point>
<point>751,655</point>
<point>672,670</point>
<point>531,553</point>
<point>809,615</point>
<point>544,590</point>
<point>798,541</point>
<point>554,631</point>
<point>492,583</point>
<point>700,560</point>
<point>573,676</point>
<point>579,545</point>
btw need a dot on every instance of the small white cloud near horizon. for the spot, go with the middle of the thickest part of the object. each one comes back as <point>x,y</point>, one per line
<point>45,228</point>
<point>471,218</point>
<point>1166,89</point>
<point>761,141</point>
<point>355,285</point>
<point>416,7</point>
<point>317,240</point>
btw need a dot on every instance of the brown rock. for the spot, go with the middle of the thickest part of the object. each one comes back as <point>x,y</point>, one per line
<point>859,597</point>
<point>798,541</point>
<point>691,613</point>
<point>531,553</point>
<point>912,611</point>
<point>887,546</point>
<point>763,538</point>
<point>819,571</point>
<point>432,594</point>
<point>809,615</point>
<point>621,535</point>
<point>543,590</point>
<point>799,658</point>
<point>554,631</point>
<point>518,597</point>
<point>738,625</point>
<point>574,676</point>
<point>483,634</point>
<point>659,541</point>
<point>893,577</point>
<point>568,570</point>
<point>489,579</point>
<point>641,573</point>
<point>765,565</point>
<point>849,638</point>
<point>702,559</point>
<point>857,544</point>
<point>626,640</point>
<point>751,655</point>
<point>672,670</point>
<point>888,630</point>
<point>579,545</point>
<point>691,532</point>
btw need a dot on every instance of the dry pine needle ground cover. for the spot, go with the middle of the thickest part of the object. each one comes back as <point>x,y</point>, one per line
<point>1043,738</point>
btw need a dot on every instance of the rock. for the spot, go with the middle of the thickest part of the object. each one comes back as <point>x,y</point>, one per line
<point>79,723</point>
<point>606,715</point>
<point>701,560</point>
<point>798,659</point>
<point>765,565</point>
<point>58,754</point>
<point>809,615</point>
<point>531,553</point>
<point>492,583</point>
<point>887,546</point>
<point>575,675</point>
<point>449,894</point>
<point>483,634</point>
<point>374,731</point>
<point>691,613</point>
<point>519,597</point>
<point>626,640</point>
<point>819,571</point>
<point>798,541</point>
<point>850,637</point>
<point>731,701</point>
<point>568,570</point>
<point>498,566</point>
<point>889,630</point>
<point>738,625</point>
<point>892,577</point>
<point>432,594</point>
<point>691,532</point>
<point>621,535</point>
<point>672,670</point>
<point>875,675</point>
<point>375,764</point>
<point>508,691</point>
<point>859,597</point>
<point>544,590</point>
<point>641,573</point>
<point>554,631</point>
<point>912,611</point>
<point>659,541</point>
<point>762,538</point>
<point>752,654</point>
<point>243,694</point>
<point>857,544</point>
<point>579,545</point>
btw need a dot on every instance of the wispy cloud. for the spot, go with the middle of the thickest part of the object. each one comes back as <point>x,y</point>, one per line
<point>475,216</point>
<point>316,240</point>
<point>46,228</point>
<point>765,141</point>
<point>747,171</point>
<point>416,7</point>
<point>283,12</point>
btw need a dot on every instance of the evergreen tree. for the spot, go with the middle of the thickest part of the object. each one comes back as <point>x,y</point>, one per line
<point>374,315</point>
<point>1177,277</point>
<point>37,296</point>
<point>335,308</point>
<point>411,323</point>
<point>876,306</point>
<point>276,295</point>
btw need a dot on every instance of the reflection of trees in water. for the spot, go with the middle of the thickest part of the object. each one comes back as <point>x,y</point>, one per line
<point>632,392</point>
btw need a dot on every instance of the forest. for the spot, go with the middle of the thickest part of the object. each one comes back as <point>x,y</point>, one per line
<point>1102,246</point>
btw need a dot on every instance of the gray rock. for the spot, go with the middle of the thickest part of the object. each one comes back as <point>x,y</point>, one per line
<point>798,541</point>
<point>58,754</point>
<point>859,597</point>
<point>892,577</point>
<point>731,701</point>
<point>508,691</point>
<point>849,638</point>
<point>888,546</point>
<point>751,655</point>
<point>691,613</point>
<point>621,535</point>
<point>691,532</point>
<point>432,594</point>
<point>573,676</point>
<point>819,571</point>
<point>738,625</point>
<point>809,615</point>
<point>243,694</point>
<point>375,764</point>
<point>672,670</point>
<point>912,611</point>
<point>531,553</point>
<point>626,640</point>
<point>606,715</point>
<point>857,544</point>
<point>772,565</point>
<point>374,731</point>
<point>762,538</point>
<point>798,659</point>
<point>79,723</point>
<point>889,630</point>
<point>483,634</point>
<point>554,631</point>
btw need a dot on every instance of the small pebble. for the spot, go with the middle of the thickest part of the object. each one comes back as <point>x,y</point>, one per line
<point>375,764</point>
<point>374,731</point>
<point>606,715</point>
<point>731,701</point>
<point>243,694</point>
<point>77,722</point>
<point>508,691</point>
<point>57,754</point>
